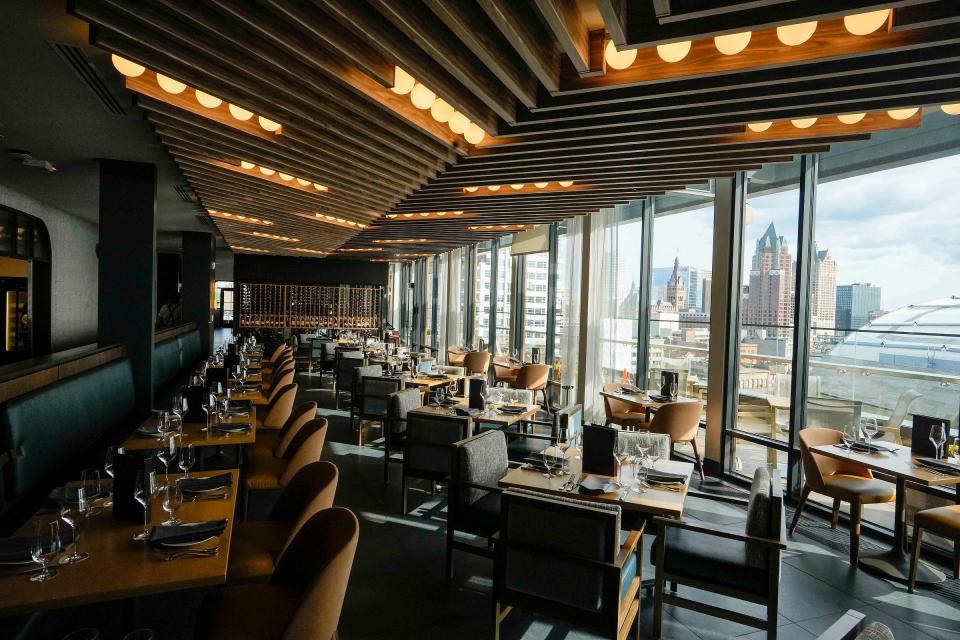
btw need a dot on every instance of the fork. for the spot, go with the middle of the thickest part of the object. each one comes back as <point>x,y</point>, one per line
<point>190,553</point>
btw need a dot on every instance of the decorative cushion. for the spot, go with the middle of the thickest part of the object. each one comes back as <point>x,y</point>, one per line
<point>875,631</point>
<point>482,460</point>
<point>758,517</point>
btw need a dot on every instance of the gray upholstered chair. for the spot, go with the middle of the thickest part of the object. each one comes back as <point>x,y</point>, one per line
<point>473,502</point>
<point>357,374</point>
<point>429,447</point>
<point>588,576</point>
<point>344,364</point>
<point>373,403</point>
<point>745,566</point>
<point>394,434</point>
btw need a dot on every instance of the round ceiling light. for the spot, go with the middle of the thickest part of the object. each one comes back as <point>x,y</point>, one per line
<point>675,51</point>
<point>494,187</point>
<point>268,125</point>
<point>470,189</point>
<point>803,123</point>
<point>247,165</point>
<point>903,114</point>
<point>732,43</point>
<point>267,172</point>
<point>759,127</point>
<point>402,81</point>
<point>794,35</point>
<point>541,185</point>
<point>851,118</point>
<point>422,97</point>
<point>239,112</point>
<point>458,122</point>
<point>441,110</point>
<point>517,186</point>
<point>127,67</point>
<point>861,24</point>
<point>618,59</point>
<point>170,85</point>
<point>207,100</point>
<point>565,183</point>
<point>951,109</point>
<point>474,134</point>
<point>303,183</point>
<point>284,177</point>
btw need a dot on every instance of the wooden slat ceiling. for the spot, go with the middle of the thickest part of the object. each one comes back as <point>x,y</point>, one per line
<point>531,74</point>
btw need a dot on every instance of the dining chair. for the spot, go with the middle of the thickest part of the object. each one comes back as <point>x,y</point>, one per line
<point>473,500</point>
<point>256,545</point>
<point>503,371</point>
<point>305,594</point>
<point>343,380</point>
<point>394,435</point>
<point>589,576</point>
<point>842,480</point>
<point>942,521</point>
<point>534,377</point>
<point>429,447</point>
<point>455,356</point>
<point>278,411</point>
<point>894,423</point>
<point>680,421</point>
<point>743,566</point>
<point>264,473</point>
<point>282,379</point>
<point>619,412</point>
<point>374,401</point>
<point>476,362</point>
<point>356,386</point>
<point>268,441</point>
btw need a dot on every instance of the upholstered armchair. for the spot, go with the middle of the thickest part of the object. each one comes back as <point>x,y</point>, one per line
<point>476,362</point>
<point>268,441</point>
<point>745,566</point>
<point>619,412</point>
<point>269,473</point>
<point>357,374</point>
<point>394,433</point>
<point>589,576</point>
<point>429,447</point>
<point>374,401</point>
<point>343,366</point>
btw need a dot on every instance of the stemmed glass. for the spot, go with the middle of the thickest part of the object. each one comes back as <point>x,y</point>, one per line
<point>938,437</point>
<point>673,390</point>
<point>163,423</point>
<point>45,547</point>
<point>176,414</point>
<point>548,460</point>
<point>172,499</point>
<point>108,469</point>
<point>187,458</point>
<point>74,511</point>
<point>870,429</point>
<point>655,451</point>
<point>141,493</point>
<point>166,453</point>
<point>90,481</point>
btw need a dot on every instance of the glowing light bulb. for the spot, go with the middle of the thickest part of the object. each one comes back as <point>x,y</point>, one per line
<point>458,122</point>
<point>565,183</point>
<point>618,59</point>
<point>674,51</point>
<point>794,35</point>
<point>422,97</point>
<point>284,177</point>
<point>268,125</point>
<point>319,187</point>
<point>803,123</point>
<point>541,185</point>
<point>402,81</point>
<point>170,85</point>
<point>861,24</point>
<point>128,68</point>
<point>247,165</point>
<point>267,172</point>
<point>441,110</point>
<point>303,183</point>
<point>240,113</point>
<point>759,127</point>
<point>951,109</point>
<point>207,100</point>
<point>851,118</point>
<point>903,114</point>
<point>474,134</point>
<point>732,43</point>
<point>517,186</point>
<point>494,187</point>
<point>470,189</point>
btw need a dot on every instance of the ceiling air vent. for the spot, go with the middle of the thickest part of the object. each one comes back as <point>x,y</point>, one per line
<point>75,59</point>
<point>183,191</point>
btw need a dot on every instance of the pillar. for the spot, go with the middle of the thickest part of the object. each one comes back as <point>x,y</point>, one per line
<point>198,286</point>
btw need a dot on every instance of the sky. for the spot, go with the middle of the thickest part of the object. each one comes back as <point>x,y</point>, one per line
<point>898,229</point>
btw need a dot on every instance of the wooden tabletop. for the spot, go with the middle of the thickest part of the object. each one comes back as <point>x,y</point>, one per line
<point>255,398</point>
<point>430,383</point>
<point>643,399</point>
<point>659,502</point>
<point>495,417</point>
<point>120,567</point>
<point>900,463</point>
<point>194,434</point>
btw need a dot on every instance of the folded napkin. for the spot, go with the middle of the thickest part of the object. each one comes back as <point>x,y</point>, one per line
<point>536,464</point>
<point>226,427</point>
<point>512,408</point>
<point>663,477</point>
<point>594,486</point>
<point>200,485</point>
<point>69,494</point>
<point>629,388</point>
<point>240,413</point>
<point>17,550</point>
<point>247,387</point>
<point>658,398</point>
<point>863,447</point>
<point>436,376</point>
<point>939,465</point>
<point>450,402</point>
<point>467,411</point>
<point>168,534</point>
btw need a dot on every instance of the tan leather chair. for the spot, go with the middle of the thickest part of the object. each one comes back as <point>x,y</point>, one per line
<point>842,480</point>
<point>534,377</point>
<point>305,595</point>
<point>455,357</point>
<point>278,412</point>
<point>257,545</point>
<point>943,521</point>
<point>477,362</point>
<point>269,473</point>
<point>619,412</point>
<point>680,421</point>
<point>283,378</point>
<point>292,438</point>
<point>280,357</point>
<point>268,441</point>
<point>503,371</point>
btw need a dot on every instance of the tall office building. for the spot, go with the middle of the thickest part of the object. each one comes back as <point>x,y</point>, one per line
<point>769,308</point>
<point>856,303</point>
<point>691,277</point>
<point>823,298</point>
<point>706,285</point>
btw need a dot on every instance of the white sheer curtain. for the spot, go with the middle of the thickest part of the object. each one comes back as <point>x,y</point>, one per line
<point>455,302</point>
<point>569,272</point>
<point>441,308</point>
<point>600,305</point>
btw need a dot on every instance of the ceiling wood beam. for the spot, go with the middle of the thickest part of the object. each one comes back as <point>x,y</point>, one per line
<point>614,14</point>
<point>931,14</point>
<point>565,22</point>
<point>521,28</point>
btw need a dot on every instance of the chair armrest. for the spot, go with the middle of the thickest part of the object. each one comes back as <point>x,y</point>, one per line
<point>719,533</point>
<point>630,545</point>
<point>846,628</point>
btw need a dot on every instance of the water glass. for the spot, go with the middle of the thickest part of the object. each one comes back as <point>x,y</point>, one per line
<point>548,460</point>
<point>141,493</point>
<point>46,546</point>
<point>673,390</point>
<point>172,499</point>
<point>166,453</point>
<point>938,437</point>
<point>187,458</point>
<point>870,429</point>
<point>74,511</point>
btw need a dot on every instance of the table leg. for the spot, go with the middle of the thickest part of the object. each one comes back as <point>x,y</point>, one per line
<point>895,563</point>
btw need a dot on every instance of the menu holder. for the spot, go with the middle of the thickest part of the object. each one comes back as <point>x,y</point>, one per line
<point>920,444</point>
<point>126,467</point>
<point>195,395</point>
<point>668,378</point>
<point>476,388</point>
<point>599,447</point>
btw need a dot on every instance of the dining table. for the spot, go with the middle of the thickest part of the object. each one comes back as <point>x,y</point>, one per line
<point>898,463</point>
<point>644,398</point>
<point>493,415</point>
<point>119,567</point>
<point>194,433</point>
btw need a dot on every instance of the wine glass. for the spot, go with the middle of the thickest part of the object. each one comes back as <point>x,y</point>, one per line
<point>870,429</point>
<point>548,459</point>
<point>673,390</point>
<point>141,493</point>
<point>166,453</point>
<point>163,423</point>
<point>74,512</point>
<point>108,469</point>
<point>45,547</point>
<point>655,452</point>
<point>90,481</point>
<point>187,458</point>
<point>938,437</point>
<point>172,499</point>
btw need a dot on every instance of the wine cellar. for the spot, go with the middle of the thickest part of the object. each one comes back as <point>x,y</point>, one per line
<point>294,306</point>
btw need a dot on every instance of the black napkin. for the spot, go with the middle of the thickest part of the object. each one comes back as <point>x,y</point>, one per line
<point>436,376</point>
<point>594,486</point>
<point>664,477</point>
<point>659,398</point>
<point>450,402</point>
<point>166,534</point>
<point>537,464</point>
<point>200,485</point>
<point>629,388</point>
<point>939,465</point>
<point>227,427</point>
<point>467,411</point>
<point>863,447</point>
<point>509,408</point>
<point>17,550</point>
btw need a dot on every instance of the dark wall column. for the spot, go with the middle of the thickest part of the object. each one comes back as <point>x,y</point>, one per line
<point>127,273</point>
<point>199,287</point>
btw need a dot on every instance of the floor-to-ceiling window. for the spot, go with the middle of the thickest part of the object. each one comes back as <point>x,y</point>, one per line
<point>457,301</point>
<point>483,293</point>
<point>536,270</point>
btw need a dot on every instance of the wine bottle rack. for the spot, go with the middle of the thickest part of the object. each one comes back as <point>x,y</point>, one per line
<point>294,306</point>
